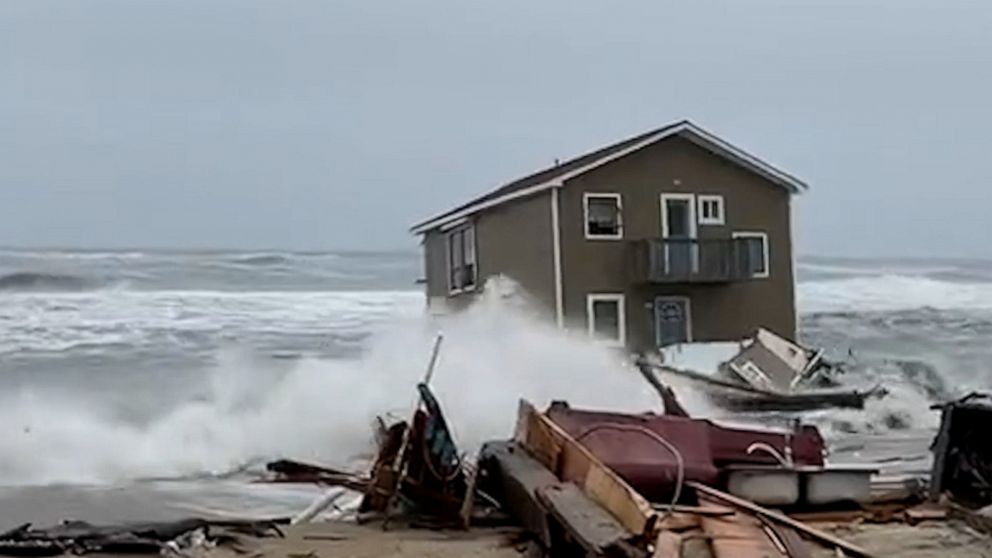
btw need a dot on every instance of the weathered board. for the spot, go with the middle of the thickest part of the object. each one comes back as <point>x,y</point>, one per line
<point>738,536</point>
<point>596,531</point>
<point>519,477</point>
<point>572,462</point>
<point>667,545</point>
<point>779,517</point>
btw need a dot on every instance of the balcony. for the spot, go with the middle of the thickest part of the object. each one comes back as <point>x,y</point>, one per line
<point>690,261</point>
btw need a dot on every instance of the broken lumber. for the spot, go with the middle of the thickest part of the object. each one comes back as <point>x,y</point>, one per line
<point>592,527</point>
<point>794,545</point>
<point>925,512</point>
<point>667,545</point>
<point>570,461</point>
<point>737,536</point>
<point>518,477</point>
<point>696,510</point>
<point>817,534</point>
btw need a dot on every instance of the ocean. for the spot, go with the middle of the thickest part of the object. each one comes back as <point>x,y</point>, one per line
<point>155,385</point>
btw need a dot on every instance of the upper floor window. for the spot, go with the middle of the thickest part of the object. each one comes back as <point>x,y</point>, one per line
<point>603,216</point>
<point>711,210</point>
<point>753,253</point>
<point>462,269</point>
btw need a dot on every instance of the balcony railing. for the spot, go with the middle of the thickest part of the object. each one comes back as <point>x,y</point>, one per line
<point>690,261</point>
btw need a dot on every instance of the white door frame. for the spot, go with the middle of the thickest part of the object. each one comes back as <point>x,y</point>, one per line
<point>693,226</point>
<point>688,316</point>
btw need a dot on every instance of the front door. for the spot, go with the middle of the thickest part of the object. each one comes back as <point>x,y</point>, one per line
<point>671,320</point>
<point>678,221</point>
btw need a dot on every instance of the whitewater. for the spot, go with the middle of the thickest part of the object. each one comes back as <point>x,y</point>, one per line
<point>134,369</point>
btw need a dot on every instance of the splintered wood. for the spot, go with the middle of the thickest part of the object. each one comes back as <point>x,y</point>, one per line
<point>738,536</point>
<point>780,518</point>
<point>571,461</point>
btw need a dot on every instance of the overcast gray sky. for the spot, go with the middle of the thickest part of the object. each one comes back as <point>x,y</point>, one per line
<point>306,125</point>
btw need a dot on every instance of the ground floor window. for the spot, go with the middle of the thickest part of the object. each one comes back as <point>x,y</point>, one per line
<point>605,315</point>
<point>754,253</point>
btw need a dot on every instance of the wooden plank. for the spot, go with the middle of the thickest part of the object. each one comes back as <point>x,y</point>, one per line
<point>817,534</point>
<point>698,510</point>
<point>738,536</point>
<point>591,526</point>
<point>468,504</point>
<point>573,462</point>
<point>519,477</point>
<point>925,512</point>
<point>795,546</point>
<point>667,545</point>
<point>678,522</point>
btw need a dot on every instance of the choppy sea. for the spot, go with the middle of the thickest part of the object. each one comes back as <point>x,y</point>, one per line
<point>154,385</point>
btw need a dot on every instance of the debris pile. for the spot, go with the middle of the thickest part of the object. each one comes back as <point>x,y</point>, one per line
<point>182,538</point>
<point>604,484</point>
<point>769,373</point>
<point>592,483</point>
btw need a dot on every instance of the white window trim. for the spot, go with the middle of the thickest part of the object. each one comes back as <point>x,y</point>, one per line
<point>720,219</point>
<point>475,256</point>
<point>764,237</point>
<point>693,226</point>
<point>585,215</point>
<point>619,299</point>
<point>691,198</point>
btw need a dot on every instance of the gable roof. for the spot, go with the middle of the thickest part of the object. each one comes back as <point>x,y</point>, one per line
<point>555,176</point>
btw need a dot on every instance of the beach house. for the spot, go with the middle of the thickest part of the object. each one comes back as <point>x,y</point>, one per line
<point>671,236</point>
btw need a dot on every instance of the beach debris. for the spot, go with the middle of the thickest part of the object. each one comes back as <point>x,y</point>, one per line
<point>772,363</point>
<point>287,471</point>
<point>319,505</point>
<point>569,461</point>
<point>778,517</point>
<point>669,401</point>
<point>962,454</point>
<point>575,481</point>
<point>640,447</point>
<point>418,472</point>
<point>177,537</point>
<point>767,373</point>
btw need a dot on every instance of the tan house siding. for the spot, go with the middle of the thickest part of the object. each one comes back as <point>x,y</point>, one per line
<point>676,165</point>
<point>513,240</point>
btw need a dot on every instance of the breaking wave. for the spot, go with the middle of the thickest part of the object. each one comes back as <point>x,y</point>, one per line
<point>492,355</point>
<point>261,259</point>
<point>891,293</point>
<point>38,281</point>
